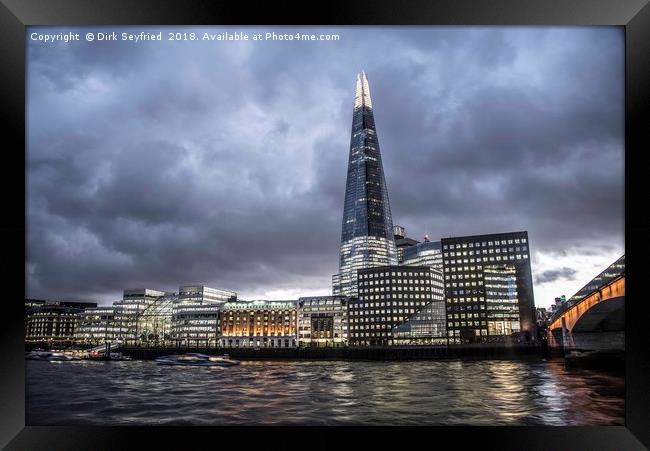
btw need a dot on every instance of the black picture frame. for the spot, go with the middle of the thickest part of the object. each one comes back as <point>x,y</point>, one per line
<point>15,15</point>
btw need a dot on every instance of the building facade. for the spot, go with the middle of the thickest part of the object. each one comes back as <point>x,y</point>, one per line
<point>52,322</point>
<point>402,242</point>
<point>200,294</point>
<point>388,296</point>
<point>195,324</point>
<point>488,288</point>
<point>323,321</point>
<point>259,324</point>
<point>97,325</point>
<point>129,310</point>
<point>367,231</point>
<point>426,253</point>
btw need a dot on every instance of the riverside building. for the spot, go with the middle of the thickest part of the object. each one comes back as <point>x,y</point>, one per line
<point>323,321</point>
<point>195,317</point>
<point>259,324</point>
<point>488,288</point>
<point>129,311</point>
<point>97,325</point>
<point>52,322</point>
<point>388,296</point>
<point>367,239</point>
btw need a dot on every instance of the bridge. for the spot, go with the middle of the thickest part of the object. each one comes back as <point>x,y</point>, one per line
<point>593,322</point>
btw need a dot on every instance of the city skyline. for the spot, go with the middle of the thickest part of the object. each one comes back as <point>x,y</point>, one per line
<point>194,181</point>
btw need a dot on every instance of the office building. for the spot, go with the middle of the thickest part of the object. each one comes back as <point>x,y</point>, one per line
<point>52,322</point>
<point>367,239</point>
<point>426,327</point>
<point>488,288</point>
<point>129,310</point>
<point>97,325</point>
<point>402,242</point>
<point>323,321</point>
<point>195,324</point>
<point>200,294</point>
<point>427,253</point>
<point>388,296</point>
<point>259,324</point>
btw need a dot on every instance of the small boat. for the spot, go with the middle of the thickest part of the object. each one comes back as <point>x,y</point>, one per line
<point>195,359</point>
<point>224,360</point>
<point>50,356</point>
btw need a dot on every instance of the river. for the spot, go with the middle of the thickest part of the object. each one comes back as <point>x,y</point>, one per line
<point>440,392</point>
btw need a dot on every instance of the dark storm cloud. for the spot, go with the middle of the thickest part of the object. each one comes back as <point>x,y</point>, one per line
<point>555,274</point>
<point>161,164</point>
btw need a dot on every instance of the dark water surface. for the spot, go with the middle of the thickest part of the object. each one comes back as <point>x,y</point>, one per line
<point>483,392</point>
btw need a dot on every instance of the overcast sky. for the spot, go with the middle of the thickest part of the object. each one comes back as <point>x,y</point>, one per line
<point>159,164</point>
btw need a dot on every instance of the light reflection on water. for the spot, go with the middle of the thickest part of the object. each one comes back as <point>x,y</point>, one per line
<point>484,392</point>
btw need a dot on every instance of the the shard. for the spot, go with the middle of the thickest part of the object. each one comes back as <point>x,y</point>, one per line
<point>367,239</point>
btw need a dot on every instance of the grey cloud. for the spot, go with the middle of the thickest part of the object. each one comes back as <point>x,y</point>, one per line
<point>226,164</point>
<point>556,274</point>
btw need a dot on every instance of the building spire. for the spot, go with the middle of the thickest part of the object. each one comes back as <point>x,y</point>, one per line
<point>362,96</point>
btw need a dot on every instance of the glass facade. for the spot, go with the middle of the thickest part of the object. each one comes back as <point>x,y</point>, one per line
<point>367,231</point>
<point>426,327</point>
<point>488,287</point>
<point>97,326</point>
<point>200,294</point>
<point>427,253</point>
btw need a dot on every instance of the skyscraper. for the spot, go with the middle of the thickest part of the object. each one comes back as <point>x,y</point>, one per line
<point>367,234</point>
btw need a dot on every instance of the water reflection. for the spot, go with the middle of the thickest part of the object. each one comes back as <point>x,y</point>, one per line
<point>495,392</point>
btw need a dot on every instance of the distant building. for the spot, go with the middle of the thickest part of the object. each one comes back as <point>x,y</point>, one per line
<point>97,325</point>
<point>488,288</point>
<point>388,296</point>
<point>129,311</point>
<point>323,321</point>
<point>200,294</point>
<point>52,322</point>
<point>427,253</point>
<point>265,324</point>
<point>195,324</point>
<point>402,242</point>
<point>195,317</point>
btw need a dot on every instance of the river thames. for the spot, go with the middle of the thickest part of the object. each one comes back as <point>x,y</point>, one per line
<point>441,392</point>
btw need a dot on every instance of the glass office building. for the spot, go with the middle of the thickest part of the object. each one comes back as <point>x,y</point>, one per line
<point>427,253</point>
<point>488,288</point>
<point>367,239</point>
<point>200,294</point>
<point>426,327</point>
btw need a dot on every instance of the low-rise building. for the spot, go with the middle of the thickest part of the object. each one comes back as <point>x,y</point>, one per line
<point>52,322</point>
<point>97,325</point>
<point>263,324</point>
<point>323,321</point>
